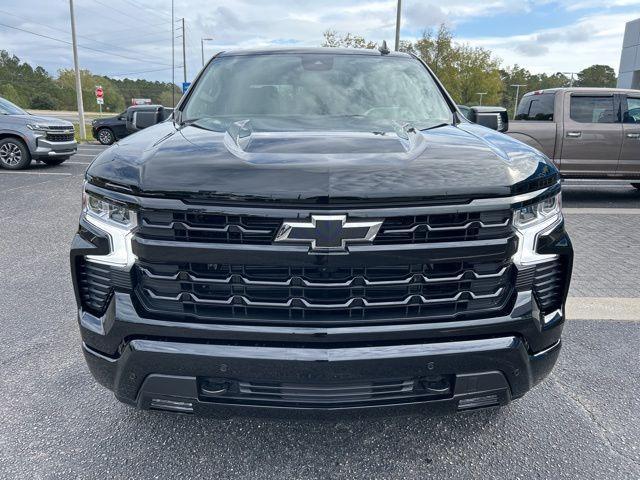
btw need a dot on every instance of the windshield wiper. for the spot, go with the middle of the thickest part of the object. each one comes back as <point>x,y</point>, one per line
<point>438,125</point>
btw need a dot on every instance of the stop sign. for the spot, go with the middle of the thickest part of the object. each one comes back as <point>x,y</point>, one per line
<point>99,92</point>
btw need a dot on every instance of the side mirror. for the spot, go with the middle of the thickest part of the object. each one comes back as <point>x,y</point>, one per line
<point>495,118</point>
<point>139,118</point>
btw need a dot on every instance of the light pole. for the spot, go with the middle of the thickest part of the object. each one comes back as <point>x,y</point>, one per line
<point>571,78</point>
<point>173,56</point>
<point>482,94</point>
<point>515,107</point>
<point>202,40</point>
<point>83,132</point>
<point>398,18</point>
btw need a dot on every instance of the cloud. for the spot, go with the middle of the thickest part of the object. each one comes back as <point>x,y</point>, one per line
<point>140,30</point>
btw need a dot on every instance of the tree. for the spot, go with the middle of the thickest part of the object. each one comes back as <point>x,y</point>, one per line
<point>597,76</point>
<point>334,39</point>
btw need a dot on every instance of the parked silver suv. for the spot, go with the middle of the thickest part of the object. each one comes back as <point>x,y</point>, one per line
<point>25,137</point>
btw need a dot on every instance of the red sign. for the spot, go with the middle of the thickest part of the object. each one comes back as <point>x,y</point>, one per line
<point>99,92</point>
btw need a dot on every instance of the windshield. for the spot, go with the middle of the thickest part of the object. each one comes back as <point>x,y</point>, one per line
<point>318,90</point>
<point>8,108</point>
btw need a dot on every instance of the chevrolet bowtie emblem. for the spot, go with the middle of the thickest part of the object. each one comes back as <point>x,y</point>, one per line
<point>328,233</point>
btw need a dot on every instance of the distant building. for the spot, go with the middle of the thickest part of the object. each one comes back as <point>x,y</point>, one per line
<point>629,73</point>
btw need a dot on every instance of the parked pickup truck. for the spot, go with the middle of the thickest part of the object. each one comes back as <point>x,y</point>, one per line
<point>587,132</point>
<point>320,230</point>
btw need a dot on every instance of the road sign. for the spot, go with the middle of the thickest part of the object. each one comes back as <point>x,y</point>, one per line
<point>185,86</point>
<point>99,92</point>
<point>100,101</point>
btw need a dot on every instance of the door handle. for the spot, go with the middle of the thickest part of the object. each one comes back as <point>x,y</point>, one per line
<point>574,134</point>
<point>633,135</point>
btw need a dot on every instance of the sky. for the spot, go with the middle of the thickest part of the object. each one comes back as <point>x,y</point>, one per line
<point>132,38</point>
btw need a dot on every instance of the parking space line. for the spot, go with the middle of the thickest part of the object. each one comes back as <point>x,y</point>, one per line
<point>34,173</point>
<point>602,211</point>
<point>603,308</point>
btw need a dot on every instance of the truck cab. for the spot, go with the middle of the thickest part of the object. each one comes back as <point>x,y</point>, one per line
<point>587,132</point>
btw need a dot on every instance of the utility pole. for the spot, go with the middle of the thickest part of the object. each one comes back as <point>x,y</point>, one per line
<point>398,18</point>
<point>482,94</point>
<point>202,40</point>
<point>571,78</point>
<point>83,132</point>
<point>515,107</point>
<point>184,53</point>
<point>173,57</point>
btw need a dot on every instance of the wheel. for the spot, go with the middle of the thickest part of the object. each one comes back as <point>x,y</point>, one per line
<point>106,136</point>
<point>636,185</point>
<point>54,160</point>
<point>14,154</point>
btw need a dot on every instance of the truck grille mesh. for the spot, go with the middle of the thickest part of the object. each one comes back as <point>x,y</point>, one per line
<point>60,137</point>
<point>254,230</point>
<point>324,295</point>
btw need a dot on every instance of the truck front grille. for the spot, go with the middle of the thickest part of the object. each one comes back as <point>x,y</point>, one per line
<point>60,137</point>
<point>255,230</point>
<point>324,295</point>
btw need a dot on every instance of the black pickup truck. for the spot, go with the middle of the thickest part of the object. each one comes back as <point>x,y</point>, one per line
<point>320,230</point>
<point>111,129</point>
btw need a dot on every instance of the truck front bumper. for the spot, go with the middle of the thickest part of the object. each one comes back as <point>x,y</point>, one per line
<point>222,379</point>
<point>48,149</point>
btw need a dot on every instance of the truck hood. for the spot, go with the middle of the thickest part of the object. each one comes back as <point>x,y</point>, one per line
<point>44,121</point>
<point>449,162</point>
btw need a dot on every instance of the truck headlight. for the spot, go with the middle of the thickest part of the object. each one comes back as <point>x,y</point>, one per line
<point>531,222</point>
<point>36,127</point>
<point>537,213</point>
<point>118,222</point>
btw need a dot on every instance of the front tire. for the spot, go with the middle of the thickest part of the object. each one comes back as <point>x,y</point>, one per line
<point>54,160</point>
<point>14,154</point>
<point>106,136</point>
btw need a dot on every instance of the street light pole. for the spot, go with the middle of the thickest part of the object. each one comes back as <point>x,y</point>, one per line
<point>202,40</point>
<point>184,54</point>
<point>482,94</point>
<point>173,57</point>
<point>515,107</point>
<point>83,132</point>
<point>398,18</point>
<point>571,78</point>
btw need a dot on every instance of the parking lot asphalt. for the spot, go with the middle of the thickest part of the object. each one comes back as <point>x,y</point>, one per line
<point>56,422</point>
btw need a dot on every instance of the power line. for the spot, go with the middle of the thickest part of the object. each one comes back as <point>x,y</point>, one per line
<point>103,52</point>
<point>153,12</point>
<point>79,36</point>
<point>141,71</point>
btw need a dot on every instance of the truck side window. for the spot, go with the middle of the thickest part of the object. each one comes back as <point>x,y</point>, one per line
<point>537,107</point>
<point>593,109</point>
<point>632,111</point>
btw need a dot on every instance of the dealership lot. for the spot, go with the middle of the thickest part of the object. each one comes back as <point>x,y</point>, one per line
<point>56,422</point>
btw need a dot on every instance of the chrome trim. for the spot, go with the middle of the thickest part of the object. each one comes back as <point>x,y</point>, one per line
<point>307,283</point>
<point>308,304</point>
<point>303,211</point>
<point>439,229</point>
<point>186,226</point>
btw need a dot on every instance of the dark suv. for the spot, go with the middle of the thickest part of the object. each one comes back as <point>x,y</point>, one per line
<point>320,229</point>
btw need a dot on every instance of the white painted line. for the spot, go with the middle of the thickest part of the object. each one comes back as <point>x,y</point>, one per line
<point>602,211</point>
<point>605,308</point>
<point>35,173</point>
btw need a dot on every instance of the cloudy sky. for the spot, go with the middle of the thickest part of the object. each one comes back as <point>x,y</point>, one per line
<point>133,37</point>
